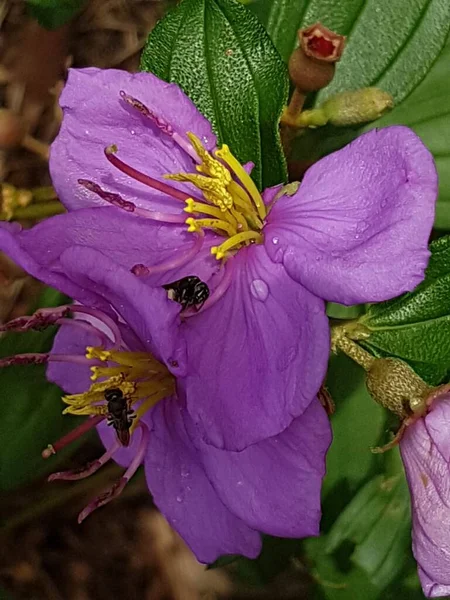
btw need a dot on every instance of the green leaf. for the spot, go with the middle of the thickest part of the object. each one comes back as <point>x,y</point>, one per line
<point>51,14</point>
<point>428,113</point>
<point>31,408</point>
<point>221,56</point>
<point>425,111</point>
<point>335,583</point>
<point>387,46</point>
<point>416,326</point>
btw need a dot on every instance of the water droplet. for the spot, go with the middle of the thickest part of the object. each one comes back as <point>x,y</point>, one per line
<point>357,237</point>
<point>259,289</point>
<point>132,132</point>
<point>275,240</point>
<point>205,140</point>
<point>179,499</point>
<point>362,226</point>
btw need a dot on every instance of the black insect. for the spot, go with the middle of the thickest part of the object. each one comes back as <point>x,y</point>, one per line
<point>119,414</point>
<point>189,291</point>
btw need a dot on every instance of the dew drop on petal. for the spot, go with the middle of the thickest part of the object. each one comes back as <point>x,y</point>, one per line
<point>132,131</point>
<point>259,289</point>
<point>179,499</point>
<point>362,226</point>
<point>275,240</point>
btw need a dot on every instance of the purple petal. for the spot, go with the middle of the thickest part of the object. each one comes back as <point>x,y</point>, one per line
<point>274,486</point>
<point>72,378</point>
<point>63,252</point>
<point>357,229</point>
<point>125,239</point>
<point>95,116</point>
<point>184,494</point>
<point>146,310</point>
<point>257,356</point>
<point>432,589</point>
<point>425,450</point>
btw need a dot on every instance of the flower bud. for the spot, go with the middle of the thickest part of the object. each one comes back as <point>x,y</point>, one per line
<point>359,106</point>
<point>312,64</point>
<point>425,450</point>
<point>393,384</point>
<point>319,42</point>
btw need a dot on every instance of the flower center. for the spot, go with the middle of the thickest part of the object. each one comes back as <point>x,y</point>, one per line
<point>231,204</point>
<point>231,199</point>
<point>137,376</point>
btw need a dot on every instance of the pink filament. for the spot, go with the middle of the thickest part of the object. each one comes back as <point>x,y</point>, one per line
<point>39,358</point>
<point>73,435</point>
<point>44,317</point>
<point>103,318</point>
<point>181,259</point>
<point>131,207</point>
<point>145,179</point>
<point>119,485</point>
<point>87,470</point>
<point>161,124</point>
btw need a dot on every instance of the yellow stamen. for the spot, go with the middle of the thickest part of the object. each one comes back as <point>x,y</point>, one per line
<point>225,154</point>
<point>231,198</point>
<point>210,166</point>
<point>236,240</point>
<point>201,207</point>
<point>195,224</point>
<point>214,190</point>
<point>150,403</point>
<point>136,374</point>
<point>241,223</point>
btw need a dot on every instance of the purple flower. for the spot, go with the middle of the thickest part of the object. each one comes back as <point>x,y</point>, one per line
<point>425,450</point>
<point>356,230</point>
<point>216,499</point>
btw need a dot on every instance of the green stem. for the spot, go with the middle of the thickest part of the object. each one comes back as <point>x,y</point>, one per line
<point>39,211</point>
<point>44,193</point>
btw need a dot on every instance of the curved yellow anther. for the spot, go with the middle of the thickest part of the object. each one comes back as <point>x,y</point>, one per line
<point>236,240</point>
<point>207,209</point>
<point>225,155</point>
<point>195,224</point>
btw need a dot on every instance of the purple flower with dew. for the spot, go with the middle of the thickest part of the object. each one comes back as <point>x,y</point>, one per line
<point>217,500</point>
<point>356,230</point>
<point>425,450</point>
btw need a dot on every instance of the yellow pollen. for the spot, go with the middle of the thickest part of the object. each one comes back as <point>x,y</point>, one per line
<point>225,154</point>
<point>231,199</point>
<point>138,375</point>
<point>237,240</point>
